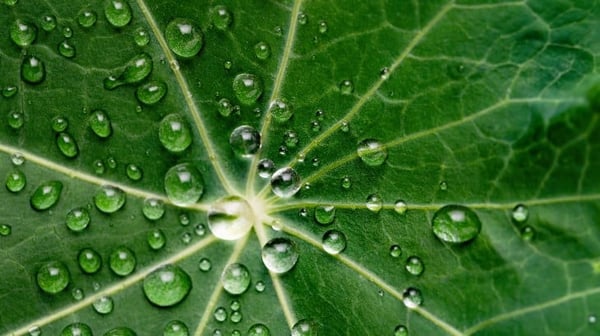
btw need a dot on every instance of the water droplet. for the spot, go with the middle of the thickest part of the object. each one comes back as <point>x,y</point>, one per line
<point>227,65</point>
<point>112,163</point>
<point>67,145</point>
<point>527,233</point>
<point>265,169</point>
<point>302,18</point>
<point>290,138</point>
<point>134,172</point>
<point>334,241</point>
<point>48,22</point>
<point>400,207</point>
<point>345,126</point>
<point>400,330</point>
<point>346,87</point>
<point>456,224</point>
<point>66,49</point>
<point>374,203</point>
<point>259,330</point>
<point>184,219</point>
<point>592,319</point>
<point>281,110</point>
<point>245,141</point>
<point>262,50</point>
<point>204,265</point>
<point>384,73</point>
<point>520,213</point>
<point>220,315</point>
<point>5,230</point>
<point>280,255</point>
<point>136,70</point>
<point>285,182</point>
<point>153,208</point>
<point>221,17</point>
<point>33,70</point>
<point>77,329</point>
<point>230,218</point>
<point>99,167</point>
<point>200,230</point>
<point>87,18</point>
<point>414,265</point>
<point>16,119</point>
<point>141,37</point>
<point>283,150</point>
<point>412,297</point>
<point>395,251</point>
<point>235,279</point>
<point>46,195</point>
<point>305,327</point>
<point>78,219</point>
<point>176,328</point>
<point>109,199</point>
<point>53,277</point>
<point>443,186</point>
<point>236,317</point>
<point>151,92</point>
<point>346,182</point>
<point>100,124</point>
<point>35,330</point>
<point>59,124</point>
<point>67,32</point>
<point>325,214</point>
<point>167,285</point>
<point>23,33</point>
<point>156,239</point>
<point>104,305</point>
<point>120,331</point>
<point>89,260</point>
<point>260,286</point>
<point>122,261</point>
<point>118,13</point>
<point>235,305</point>
<point>186,238</point>
<point>9,91</point>
<point>174,133</point>
<point>322,27</point>
<point>17,158</point>
<point>372,152</point>
<point>224,107</point>
<point>247,88</point>
<point>457,71</point>
<point>217,332</point>
<point>77,294</point>
<point>236,332</point>
<point>183,184</point>
<point>184,38</point>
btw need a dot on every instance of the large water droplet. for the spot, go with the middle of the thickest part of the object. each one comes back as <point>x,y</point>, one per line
<point>53,277</point>
<point>456,224</point>
<point>230,218</point>
<point>78,219</point>
<point>259,330</point>
<point>67,145</point>
<point>247,88</point>
<point>120,331</point>
<point>245,141</point>
<point>109,199</point>
<point>87,18</point>
<point>372,152</point>
<point>15,181</point>
<point>156,239</point>
<point>235,279</point>
<point>77,329</point>
<point>33,70</point>
<point>174,133</point>
<point>414,265</point>
<point>167,286</point>
<point>117,12</point>
<point>122,261</point>
<point>305,327</point>
<point>184,184</point>
<point>325,214</point>
<point>334,242</point>
<point>100,124</point>
<point>520,213</point>
<point>136,70</point>
<point>412,297</point>
<point>104,305</point>
<point>221,17</point>
<point>281,110</point>
<point>184,38</point>
<point>151,92</point>
<point>46,195</point>
<point>176,328</point>
<point>285,182</point>
<point>280,255</point>
<point>89,260</point>
<point>23,33</point>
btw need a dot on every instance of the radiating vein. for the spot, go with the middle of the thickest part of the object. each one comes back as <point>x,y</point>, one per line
<point>187,95</point>
<point>279,78</point>
<point>117,287</point>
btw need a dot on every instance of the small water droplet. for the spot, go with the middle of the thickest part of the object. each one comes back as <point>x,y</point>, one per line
<point>400,207</point>
<point>245,141</point>
<point>176,328</point>
<point>77,329</point>
<point>235,279</point>
<point>220,315</point>
<point>33,70</point>
<point>224,107</point>
<point>104,305</point>
<point>151,92</point>
<point>186,238</point>
<point>395,251</point>
<point>67,32</point>
<point>592,319</point>
<point>184,219</point>
<point>345,126</point>
<point>59,124</point>
<point>260,286</point>
<point>247,88</point>
<point>77,294</point>
<point>414,265</point>
<point>89,260</point>
<point>315,162</point>
<point>174,133</point>
<point>259,330</point>
<point>136,70</point>
<point>98,166</point>
<point>156,239</point>
<point>112,162</point>
<point>346,182</point>
<point>17,158</point>
<point>384,73</point>
<point>141,37</point>
<point>167,285</point>
<point>184,38</point>
<point>16,119</point>
<point>412,297</point>
<point>325,214</point>
<point>78,219</point>
<point>372,152</point>
<point>227,65</point>
<point>334,241</point>
<point>457,71</point>
<point>109,199</point>
<point>122,261</point>
<point>46,195</point>
<point>346,87</point>
<point>456,224</point>
<point>290,138</point>
<point>67,145</point>
<point>48,22</point>
<point>230,218</point>
<point>322,27</point>
<point>374,203</point>
<point>53,277</point>
<point>315,126</point>
<point>120,331</point>
<point>265,168</point>
<point>527,233</point>
<point>400,330</point>
<point>204,265</point>
<point>5,230</point>
<point>443,186</point>
<point>280,255</point>
<point>183,184</point>
<point>134,172</point>
<point>23,33</point>
<point>118,13</point>
<point>520,213</point>
<point>153,209</point>
<point>285,182</point>
<point>35,330</point>
<point>283,150</point>
<point>221,17</point>
<point>302,18</point>
<point>100,124</point>
<point>262,50</point>
<point>9,91</point>
<point>236,317</point>
<point>15,181</point>
<point>87,18</point>
<point>305,327</point>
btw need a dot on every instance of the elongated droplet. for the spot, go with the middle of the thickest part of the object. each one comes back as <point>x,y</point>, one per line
<point>151,92</point>
<point>372,152</point>
<point>230,218</point>
<point>184,38</point>
<point>247,88</point>
<point>245,141</point>
<point>305,327</point>
<point>118,13</point>
<point>285,182</point>
<point>23,33</point>
<point>174,133</point>
<point>77,329</point>
<point>100,124</point>
<point>48,22</point>
<point>136,70</point>
<point>66,49</point>
<point>33,70</point>
<point>122,261</point>
<point>262,50</point>
<point>167,286</point>
<point>53,277</point>
<point>109,199</point>
<point>46,195</point>
<point>67,145</point>
<point>235,279</point>
<point>456,224</point>
<point>280,255</point>
<point>374,203</point>
<point>183,184</point>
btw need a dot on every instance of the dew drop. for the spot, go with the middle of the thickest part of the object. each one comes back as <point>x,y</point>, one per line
<point>112,163</point>
<point>87,18</point>
<point>200,230</point>
<point>227,65</point>
<point>265,168</point>
<point>122,261</point>
<point>220,315</point>
<point>414,265</point>
<point>151,92</point>
<point>17,158</point>
<point>236,332</point>
<point>400,330</point>
<point>46,195</point>
<point>400,207</point>
<point>184,219</point>
<point>412,297</point>
<point>374,203</point>
<point>262,50</point>
<point>260,286</point>
<point>9,91</point>
<point>236,317</point>
<point>120,331</point>
<point>384,73</point>
<point>183,184</point>
<point>235,279</point>
<point>280,255</point>
<point>346,87</point>
<point>230,218</point>
<point>247,88</point>
<point>78,219</point>
<point>259,330</point>
<point>136,70</point>
<point>235,305</point>
<point>520,213</point>
<point>16,119</point>
<point>443,186</point>
<point>186,238</point>
<point>66,49</point>
<point>53,277</point>
<point>372,152</point>
<point>100,124</point>
<point>204,265</point>
<point>33,70</point>
<point>224,107</point>
<point>156,239</point>
<point>174,133</point>
<point>134,172</point>
<point>89,260</point>
<point>35,330</point>
<point>176,328</point>
<point>77,329</point>
<point>290,138</point>
<point>5,230</point>
<point>109,199</point>
<point>245,141</point>
<point>153,209</point>
<point>98,166</point>
<point>221,17</point>
<point>325,214</point>
<point>346,182</point>
<point>285,182</point>
<point>315,126</point>
<point>322,27</point>
<point>141,37</point>
<point>456,224</point>
<point>302,18</point>
<point>345,126</point>
<point>527,233</point>
<point>281,110</point>
<point>395,251</point>
<point>23,33</point>
<point>67,145</point>
<point>48,22</point>
<point>167,285</point>
<point>592,319</point>
<point>118,13</point>
<point>77,294</point>
<point>334,241</point>
<point>67,32</point>
<point>305,327</point>
<point>104,305</point>
<point>15,181</point>
<point>184,38</point>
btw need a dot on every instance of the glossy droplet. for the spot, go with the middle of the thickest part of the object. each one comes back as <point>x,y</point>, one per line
<point>167,286</point>
<point>334,241</point>
<point>280,255</point>
<point>156,239</point>
<point>120,331</point>
<point>374,203</point>
<point>230,218</point>
<point>136,70</point>
<point>285,182</point>
<point>592,319</point>
<point>236,317</point>
<point>109,199</point>
<point>290,138</point>
<point>184,219</point>
<point>235,279</point>
<point>186,237</point>
<point>395,251</point>
<point>59,124</point>
<point>5,230</point>
<point>35,330</point>
<point>345,126</point>
<point>225,108</point>
<point>346,182</point>
<point>23,33</point>
<point>414,265</point>
<point>412,297</point>
<point>247,88</point>
<point>77,294</point>
<point>67,32</point>
<point>325,214</point>
<point>78,219</point>
<point>17,158</point>
<point>176,328</point>
<point>527,233</point>
<point>53,277</point>
<point>48,22</point>
<point>46,195</point>
<point>384,73</point>
<point>245,141</point>
<point>259,330</point>
<point>77,329</point>
<point>400,207</point>
<point>221,17</point>
<point>141,37</point>
<point>67,145</point>
<point>104,305</point>
<point>184,38</point>
<point>153,208</point>
<point>235,305</point>
<point>520,213</point>
<point>220,315</point>
<point>443,186</point>
<point>400,330</point>
<point>262,50</point>
<point>346,87</point>
<point>456,224</point>
<point>322,27</point>
<point>305,327</point>
<point>260,286</point>
<point>9,91</point>
<point>204,265</point>
<point>151,92</point>
<point>100,124</point>
<point>89,260</point>
<point>98,166</point>
<point>66,49</point>
<point>372,152</point>
<point>200,230</point>
<point>265,168</point>
<point>302,19</point>
<point>134,172</point>
<point>118,13</point>
<point>33,70</point>
<point>15,181</point>
<point>122,261</point>
<point>281,110</point>
<point>183,184</point>
<point>174,133</point>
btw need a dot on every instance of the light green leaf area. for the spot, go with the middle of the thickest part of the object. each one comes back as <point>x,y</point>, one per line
<point>490,106</point>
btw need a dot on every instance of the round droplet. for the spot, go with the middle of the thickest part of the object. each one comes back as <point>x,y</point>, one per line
<point>53,277</point>
<point>23,33</point>
<point>285,182</point>
<point>456,224</point>
<point>204,265</point>
<point>334,242</point>
<point>262,50</point>
<point>325,214</point>
<point>220,315</point>
<point>345,126</point>
<point>99,167</point>
<point>302,19</point>
<point>48,22</point>
<point>67,145</point>
<point>112,163</point>
<point>280,255</point>
<point>346,87</point>
<point>109,199</point>
<point>167,286</point>
<point>141,37</point>
<point>153,208</point>
<point>400,207</point>
<point>414,265</point>
<point>77,294</point>
<point>183,184</point>
<point>17,158</point>
<point>59,124</point>
<point>281,110</point>
<point>151,92</point>
<point>520,213</point>
<point>443,186</point>
<point>89,260</point>
<point>527,233</point>
<point>400,330</point>
<point>5,230</point>
<point>186,237</point>
<point>120,331</point>
<point>184,38</point>
<point>265,168</point>
<point>290,138</point>
<point>100,124</point>
<point>35,330</point>
<point>78,219</point>
<point>176,328</point>
<point>247,88</point>
<point>230,218</point>
<point>174,133</point>
<point>305,327</point>
<point>136,70</point>
<point>118,13</point>
<point>221,17</point>
<point>412,297</point>
<point>245,141</point>
<point>15,181</point>
<point>156,239</point>
<point>46,195</point>
<point>104,305</point>
<point>77,329</point>
<point>87,18</point>
<point>33,70</point>
<point>259,330</point>
<point>134,172</point>
<point>372,152</point>
<point>122,261</point>
<point>184,219</point>
<point>225,108</point>
<point>236,317</point>
<point>200,230</point>
<point>16,119</point>
<point>67,32</point>
<point>346,182</point>
<point>384,73</point>
<point>227,65</point>
<point>592,319</point>
<point>235,279</point>
<point>260,286</point>
<point>322,27</point>
<point>374,203</point>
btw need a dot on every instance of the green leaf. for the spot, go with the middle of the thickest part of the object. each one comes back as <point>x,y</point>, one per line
<point>379,116</point>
